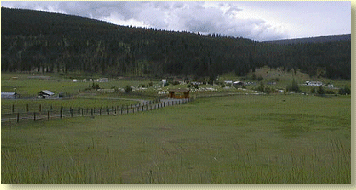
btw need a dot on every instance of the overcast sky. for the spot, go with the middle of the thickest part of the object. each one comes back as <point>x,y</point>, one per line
<point>257,20</point>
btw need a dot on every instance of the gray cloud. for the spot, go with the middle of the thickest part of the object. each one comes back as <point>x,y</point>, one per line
<point>226,18</point>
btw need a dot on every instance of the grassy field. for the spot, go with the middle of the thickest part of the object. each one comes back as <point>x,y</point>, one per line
<point>274,139</point>
<point>30,87</point>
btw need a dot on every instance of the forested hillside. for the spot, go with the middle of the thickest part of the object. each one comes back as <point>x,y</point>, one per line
<point>53,42</point>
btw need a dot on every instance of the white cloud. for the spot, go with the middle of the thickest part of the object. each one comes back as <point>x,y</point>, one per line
<point>118,19</point>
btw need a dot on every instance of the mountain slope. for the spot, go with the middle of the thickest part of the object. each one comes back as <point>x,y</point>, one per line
<point>53,42</point>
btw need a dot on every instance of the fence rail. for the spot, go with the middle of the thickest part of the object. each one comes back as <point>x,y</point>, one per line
<point>48,114</point>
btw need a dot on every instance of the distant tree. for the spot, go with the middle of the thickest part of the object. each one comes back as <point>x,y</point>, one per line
<point>293,87</point>
<point>261,88</point>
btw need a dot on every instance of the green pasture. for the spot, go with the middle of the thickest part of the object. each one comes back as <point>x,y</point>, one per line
<point>276,139</point>
<point>30,87</point>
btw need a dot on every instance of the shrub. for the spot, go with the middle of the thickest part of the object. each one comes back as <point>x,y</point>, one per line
<point>344,91</point>
<point>268,90</point>
<point>329,92</point>
<point>253,76</point>
<point>95,86</point>
<point>175,83</point>
<point>321,90</point>
<point>128,89</point>
<point>313,90</point>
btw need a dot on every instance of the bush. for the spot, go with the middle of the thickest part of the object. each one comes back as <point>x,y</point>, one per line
<point>313,90</point>
<point>321,90</point>
<point>175,83</point>
<point>329,92</point>
<point>268,90</point>
<point>128,89</point>
<point>260,78</point>
<point>344,91</point>
<point>253,76</point>
<point>95,86</point>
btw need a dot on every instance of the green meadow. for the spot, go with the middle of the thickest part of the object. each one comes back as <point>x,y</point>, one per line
<point>28,87</point>
<point>243,139</point>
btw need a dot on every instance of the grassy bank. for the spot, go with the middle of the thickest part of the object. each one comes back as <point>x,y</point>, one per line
<point>240,139</point>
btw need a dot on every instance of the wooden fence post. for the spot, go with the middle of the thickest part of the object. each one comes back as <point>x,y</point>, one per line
<point>40,108</point>
<point>71,111</point>
<point>91,111</point>
<point>61,114</point>
<point>34,116</point>
<point>26,107</point>
<point>18,117</point>
<point>48,114</point>
<point>13,108</point>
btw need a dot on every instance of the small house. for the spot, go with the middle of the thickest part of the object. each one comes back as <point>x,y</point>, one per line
<point>313,83</point>
<point>178,93</point>
<point>9,95</point>
<point>45,94</point>
<point>239,83</point>
<point>103,80</point>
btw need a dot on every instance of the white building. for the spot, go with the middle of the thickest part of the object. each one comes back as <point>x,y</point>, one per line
<point>313,83</point>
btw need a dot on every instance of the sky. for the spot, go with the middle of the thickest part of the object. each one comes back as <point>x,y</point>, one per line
<point>256,20</point>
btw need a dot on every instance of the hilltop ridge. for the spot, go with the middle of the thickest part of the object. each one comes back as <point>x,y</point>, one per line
<point>318,39</point>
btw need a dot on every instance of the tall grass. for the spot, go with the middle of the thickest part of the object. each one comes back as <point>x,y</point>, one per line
<point>241,139</point>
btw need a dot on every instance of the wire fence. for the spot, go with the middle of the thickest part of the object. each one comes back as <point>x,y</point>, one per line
<point>49,113</point>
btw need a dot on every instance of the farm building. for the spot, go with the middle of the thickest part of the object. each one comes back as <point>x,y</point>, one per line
<point>39,77</point>
<point>102,80</point>
<point>178,93</point>
<point>9,95</point>
<point>45,94</point>
<point>239,83</point>
<point>313,83</point>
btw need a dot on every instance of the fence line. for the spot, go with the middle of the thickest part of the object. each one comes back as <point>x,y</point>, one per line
<point>42,114</point>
